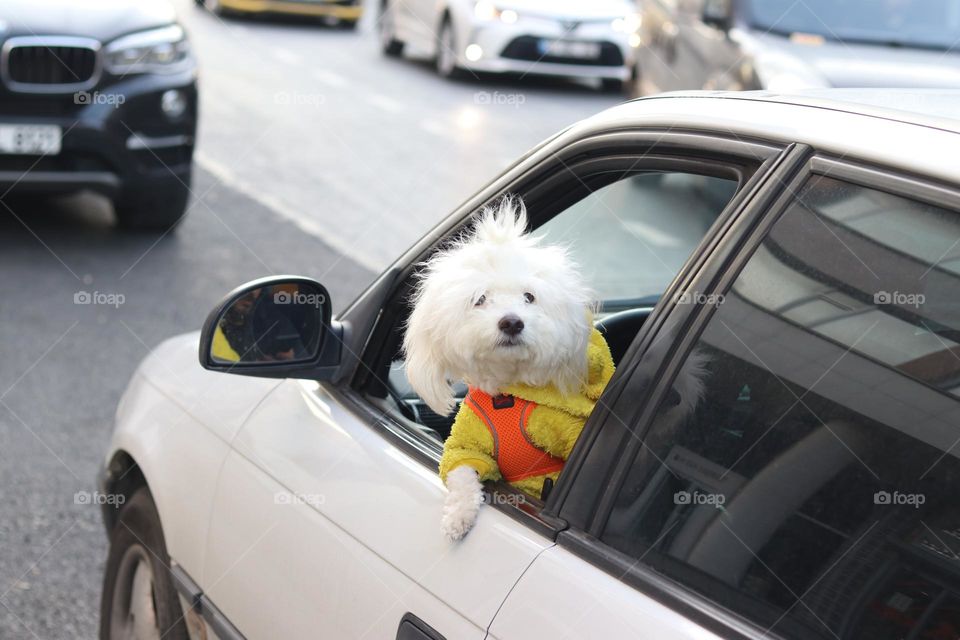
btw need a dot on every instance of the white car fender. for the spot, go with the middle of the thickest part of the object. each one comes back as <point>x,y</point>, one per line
<point>178,437</point>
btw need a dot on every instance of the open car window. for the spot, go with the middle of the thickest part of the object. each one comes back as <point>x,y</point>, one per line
<point>630,237</point>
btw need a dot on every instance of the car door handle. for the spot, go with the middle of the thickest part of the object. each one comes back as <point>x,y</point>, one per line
<point>413,628</point>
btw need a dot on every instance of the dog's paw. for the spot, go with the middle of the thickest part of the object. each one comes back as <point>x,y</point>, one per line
<point>456,524</point>
<point>462,505</point>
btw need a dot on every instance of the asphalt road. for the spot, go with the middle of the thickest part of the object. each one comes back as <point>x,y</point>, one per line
<point>316,156</point>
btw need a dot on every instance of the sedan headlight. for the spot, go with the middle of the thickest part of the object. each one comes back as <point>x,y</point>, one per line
<point>163,50</point>
<point>485,10</point>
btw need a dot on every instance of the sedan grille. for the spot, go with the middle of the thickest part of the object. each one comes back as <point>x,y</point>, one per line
<point>527,48</point>
<point>39,64</point>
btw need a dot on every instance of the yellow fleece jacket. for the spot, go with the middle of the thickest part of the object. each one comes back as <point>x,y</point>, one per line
<point>554,425</point>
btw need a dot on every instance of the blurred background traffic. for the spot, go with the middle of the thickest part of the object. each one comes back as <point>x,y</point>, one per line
<point>153,155</point>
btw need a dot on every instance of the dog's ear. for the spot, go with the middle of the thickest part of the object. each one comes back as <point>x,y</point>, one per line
<point>426,363</point>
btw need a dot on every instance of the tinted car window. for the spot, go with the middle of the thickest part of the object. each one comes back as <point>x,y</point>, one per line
<point>814,488</point>
<point>925,23</point>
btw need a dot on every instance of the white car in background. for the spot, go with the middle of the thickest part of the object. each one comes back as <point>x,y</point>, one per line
<point>572,38</point>
<point>805,245</point>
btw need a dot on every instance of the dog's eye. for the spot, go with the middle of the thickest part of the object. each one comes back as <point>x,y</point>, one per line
<point>528,297</point>
<point>480,301</point>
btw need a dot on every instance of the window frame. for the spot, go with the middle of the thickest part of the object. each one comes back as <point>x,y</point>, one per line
<point>653,376</point>
<point>646,148</point>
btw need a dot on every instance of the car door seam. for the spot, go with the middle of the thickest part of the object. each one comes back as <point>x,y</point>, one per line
<point>514,586</point>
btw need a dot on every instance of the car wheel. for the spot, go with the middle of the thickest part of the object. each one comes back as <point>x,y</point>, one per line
<point>139,599</point>
<point>388,40</point>
<point>153,209</point>
<point>634,90</point>
<point>214,7</point>
<point>446,60</point>
<point>612,85</point>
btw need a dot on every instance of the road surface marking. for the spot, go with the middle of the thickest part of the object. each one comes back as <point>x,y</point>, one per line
<point>286,56</point>
<point>329,77</point>
<point>384,102</point>
<point>305,223</point>
<point>434,127</point>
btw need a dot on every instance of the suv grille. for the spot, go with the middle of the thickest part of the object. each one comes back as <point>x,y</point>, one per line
<point>40,64</point>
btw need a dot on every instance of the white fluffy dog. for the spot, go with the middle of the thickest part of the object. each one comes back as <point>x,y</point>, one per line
<point>511,317</point>
<point>496,308</point>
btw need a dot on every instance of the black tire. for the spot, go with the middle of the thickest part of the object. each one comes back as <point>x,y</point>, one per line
<point>634,90</point>
<point>214,7</point>
<point>137,544</point>
<point>389,44</point>
<point>153,209</point>
<point>446,60</point>
<point>348,25</point>
<point>611,85</point>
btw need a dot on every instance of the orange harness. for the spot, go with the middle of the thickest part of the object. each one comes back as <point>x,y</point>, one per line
<point>506,418</point>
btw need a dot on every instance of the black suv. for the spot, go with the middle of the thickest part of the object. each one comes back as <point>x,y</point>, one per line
<point>98,98</point>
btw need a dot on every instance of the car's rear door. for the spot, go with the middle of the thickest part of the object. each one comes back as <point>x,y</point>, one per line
<point>812,492</point>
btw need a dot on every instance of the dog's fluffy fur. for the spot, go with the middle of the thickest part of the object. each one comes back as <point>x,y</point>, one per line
<point>465,290</point>
<point>495,270</point>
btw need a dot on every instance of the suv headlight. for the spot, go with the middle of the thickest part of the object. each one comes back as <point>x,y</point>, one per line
<point>163,50</point>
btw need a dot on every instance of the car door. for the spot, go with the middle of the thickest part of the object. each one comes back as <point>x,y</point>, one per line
<point>812,491</point>
<point>326,520</point>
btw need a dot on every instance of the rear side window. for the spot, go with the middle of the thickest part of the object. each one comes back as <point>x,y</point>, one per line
<point>815,488</point>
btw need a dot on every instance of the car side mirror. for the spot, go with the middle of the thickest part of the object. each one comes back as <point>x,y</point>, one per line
<point>276,327</point>
<point>717,14</point>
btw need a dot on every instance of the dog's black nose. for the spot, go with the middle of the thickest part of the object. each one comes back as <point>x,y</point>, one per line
<point>510,325</point>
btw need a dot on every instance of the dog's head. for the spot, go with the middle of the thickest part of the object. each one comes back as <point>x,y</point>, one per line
<point>497,308</point>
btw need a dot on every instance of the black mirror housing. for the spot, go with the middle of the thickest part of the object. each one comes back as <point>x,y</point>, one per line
<point>718,14</point>
<point>274,327</point>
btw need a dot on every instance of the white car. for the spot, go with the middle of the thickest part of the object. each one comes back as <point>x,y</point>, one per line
<point>575,38</point>
<point>806,247</point>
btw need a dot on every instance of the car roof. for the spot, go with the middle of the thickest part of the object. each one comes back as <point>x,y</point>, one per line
<point>914,130</point>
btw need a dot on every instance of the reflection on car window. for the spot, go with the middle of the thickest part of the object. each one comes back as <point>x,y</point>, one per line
<point>814,489</point>
<point>631,237</point>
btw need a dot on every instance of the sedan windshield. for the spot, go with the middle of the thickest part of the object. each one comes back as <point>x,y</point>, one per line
<point>918,23</point>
